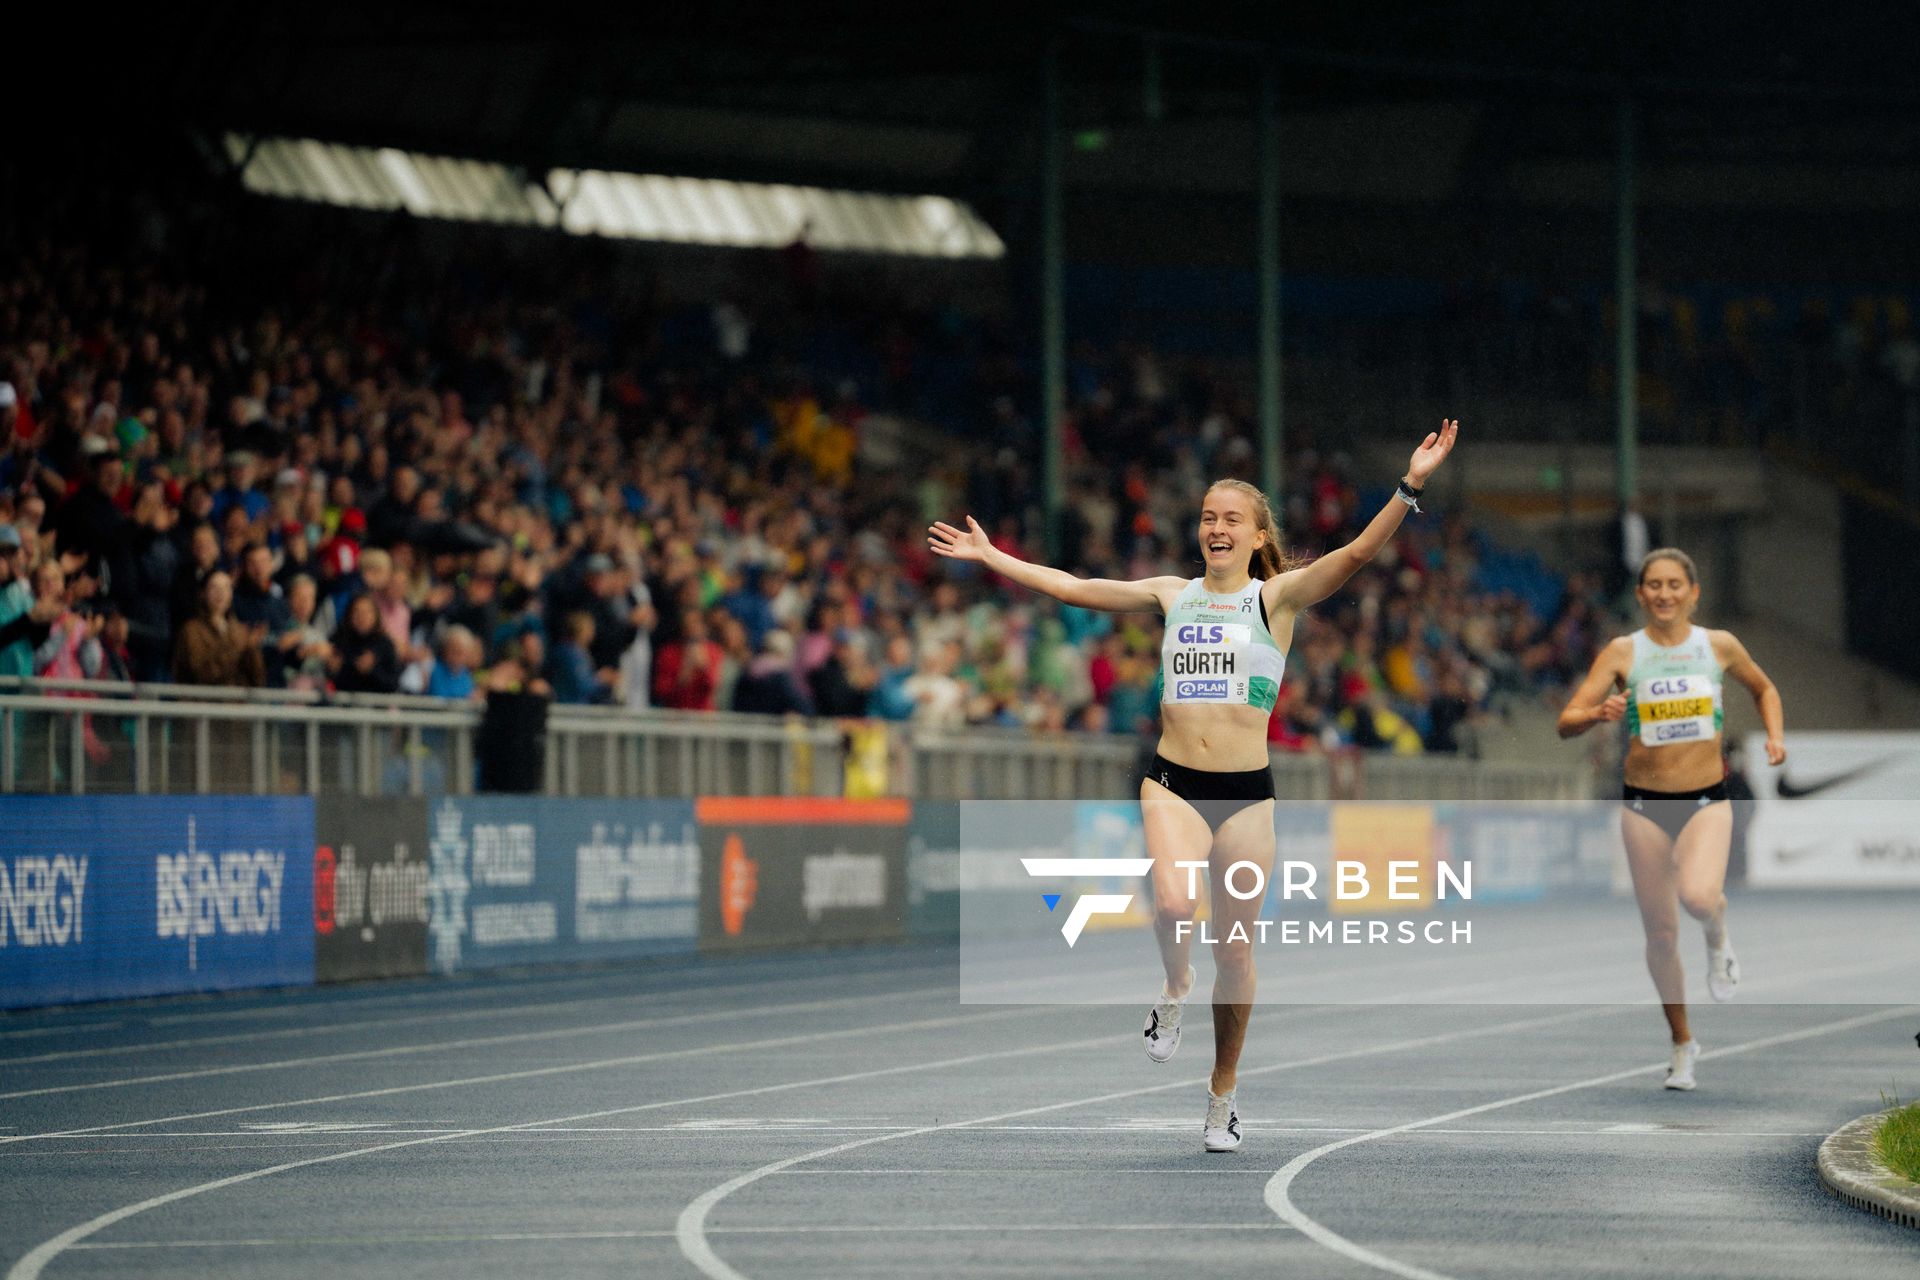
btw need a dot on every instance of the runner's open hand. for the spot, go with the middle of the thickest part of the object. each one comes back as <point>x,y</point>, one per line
<point>1433,451</point>
<point>945,540</point>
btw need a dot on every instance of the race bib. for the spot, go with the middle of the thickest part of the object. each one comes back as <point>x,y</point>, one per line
<point>1208,662</point>
<point>1675,709</point>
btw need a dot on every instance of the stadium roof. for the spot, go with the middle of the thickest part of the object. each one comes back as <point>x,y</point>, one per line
<point>943,99</point>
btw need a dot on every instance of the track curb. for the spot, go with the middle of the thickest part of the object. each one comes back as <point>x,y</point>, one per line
<point>1853,1172</point>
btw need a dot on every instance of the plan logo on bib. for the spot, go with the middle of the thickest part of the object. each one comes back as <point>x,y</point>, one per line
<point>1215,689</point>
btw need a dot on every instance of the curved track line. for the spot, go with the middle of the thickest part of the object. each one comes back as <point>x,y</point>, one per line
<point>691,1228</point>
<point>469,1042</point>
<point>36,1260</point>
<point>686,995</point>
<point>1278,1188</point>
<point>531,1073</point>
<point>474,986</point>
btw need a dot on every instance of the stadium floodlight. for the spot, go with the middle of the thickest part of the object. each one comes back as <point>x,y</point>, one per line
<point>622,206</point>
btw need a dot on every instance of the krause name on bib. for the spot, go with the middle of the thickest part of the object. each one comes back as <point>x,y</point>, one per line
<point>1675,709</point>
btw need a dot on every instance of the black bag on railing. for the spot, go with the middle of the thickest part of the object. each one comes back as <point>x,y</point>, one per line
<point>512,744</point>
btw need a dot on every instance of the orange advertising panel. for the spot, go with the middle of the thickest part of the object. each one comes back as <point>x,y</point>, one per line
<point>1371,837</point>
<point>780,871</point>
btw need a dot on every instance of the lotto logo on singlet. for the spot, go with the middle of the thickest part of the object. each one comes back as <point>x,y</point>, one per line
<point>1201,689</point>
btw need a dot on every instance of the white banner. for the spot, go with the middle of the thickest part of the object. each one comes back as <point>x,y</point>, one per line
<point>1843,811</point>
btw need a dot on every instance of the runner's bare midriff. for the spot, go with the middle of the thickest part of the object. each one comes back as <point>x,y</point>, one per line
<point>1683,766</point>
<point>1219,739</point>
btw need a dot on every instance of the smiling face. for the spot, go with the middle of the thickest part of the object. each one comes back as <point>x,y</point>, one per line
<point>1667,591</point>
<point>1230,532</point>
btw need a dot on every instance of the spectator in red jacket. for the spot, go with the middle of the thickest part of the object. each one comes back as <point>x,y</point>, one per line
<point>340,555</point>
<point>686,673</point>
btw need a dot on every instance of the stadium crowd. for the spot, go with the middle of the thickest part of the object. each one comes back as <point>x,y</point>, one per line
<point>433,489</point>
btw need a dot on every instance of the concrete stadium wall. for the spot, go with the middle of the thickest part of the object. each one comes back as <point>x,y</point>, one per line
<point>1790,559</point>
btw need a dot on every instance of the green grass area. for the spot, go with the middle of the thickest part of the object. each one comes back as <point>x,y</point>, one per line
<point>1897,1141</point>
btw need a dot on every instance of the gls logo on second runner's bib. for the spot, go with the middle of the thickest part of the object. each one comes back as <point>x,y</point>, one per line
<point>1675,709</point>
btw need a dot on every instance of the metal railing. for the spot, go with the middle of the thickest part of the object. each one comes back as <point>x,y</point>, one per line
<point>91,737</point>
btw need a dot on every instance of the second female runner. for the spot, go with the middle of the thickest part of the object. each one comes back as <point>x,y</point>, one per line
<point>1664,681</point>
<point>1208,795</point>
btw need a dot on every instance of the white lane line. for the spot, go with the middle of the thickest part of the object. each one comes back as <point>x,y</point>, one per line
<point>691,1228</point>
<point>470,1042</point>
<point>536,1072</point>
<point>532,1073</point>
<point>1185,1126</point>
<point>541,1236</point>
<point>23,1033</point>
<point>343,1141</point>
<point>687,995</point>
<point>469,990</point>
<point>638,1132</point>
<point>423,989</point>
<point>478,987</point>
<point>997,1173</point>
<point>1278,1188</point>
<point>36,1260</point>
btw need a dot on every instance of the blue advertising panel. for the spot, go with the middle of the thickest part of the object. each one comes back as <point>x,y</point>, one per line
<point>1524,852</point>
<point>515,880</point>
<point>106,897</point>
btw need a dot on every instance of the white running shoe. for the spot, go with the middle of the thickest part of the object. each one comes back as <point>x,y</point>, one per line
<point>1222,1130</point>
<point>1680,1070</point>
<point>1163,1020</point>
<point>1723,971</point>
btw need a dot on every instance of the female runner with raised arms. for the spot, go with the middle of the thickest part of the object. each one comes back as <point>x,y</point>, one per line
<point>1676,820</point>
<point>1208,795</point>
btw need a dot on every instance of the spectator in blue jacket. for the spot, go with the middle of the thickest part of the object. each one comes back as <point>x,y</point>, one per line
<point>570,665</point>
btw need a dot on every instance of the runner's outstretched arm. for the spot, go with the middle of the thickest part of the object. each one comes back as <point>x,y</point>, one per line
<point>1310,584</point>
<point>1109,595</point>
